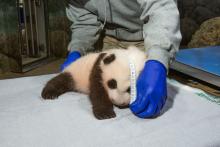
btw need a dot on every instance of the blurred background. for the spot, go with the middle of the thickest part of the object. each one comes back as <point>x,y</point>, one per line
<point>34,34</point>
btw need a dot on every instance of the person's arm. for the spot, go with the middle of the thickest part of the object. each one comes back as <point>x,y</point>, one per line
<point>162,38</point>
<point>162,31</point>
<point>85,32</point>
<point>85,29</point>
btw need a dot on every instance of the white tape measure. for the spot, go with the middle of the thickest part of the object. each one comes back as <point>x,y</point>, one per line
<point>133,92</point>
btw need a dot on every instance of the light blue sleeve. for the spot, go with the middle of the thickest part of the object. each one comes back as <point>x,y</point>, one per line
<point>162,30</point>
<point>85,29</point>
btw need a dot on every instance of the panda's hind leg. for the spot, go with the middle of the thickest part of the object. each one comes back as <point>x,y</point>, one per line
<point>57,86</point>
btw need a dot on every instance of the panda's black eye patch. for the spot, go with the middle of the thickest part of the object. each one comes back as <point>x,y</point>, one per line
<point>109,59</point>
<point>112,84</point>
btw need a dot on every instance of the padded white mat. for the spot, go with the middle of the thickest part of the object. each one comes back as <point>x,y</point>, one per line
<point>28,121</point>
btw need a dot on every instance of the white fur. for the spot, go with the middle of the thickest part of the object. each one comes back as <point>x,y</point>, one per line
<point>80,71</point>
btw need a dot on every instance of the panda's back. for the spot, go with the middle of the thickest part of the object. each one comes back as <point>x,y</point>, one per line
<point>80,71</point>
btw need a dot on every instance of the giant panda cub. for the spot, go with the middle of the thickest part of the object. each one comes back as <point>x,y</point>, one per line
<point>104,76</point>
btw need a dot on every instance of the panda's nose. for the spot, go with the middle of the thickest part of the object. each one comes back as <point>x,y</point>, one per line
<point>124,104</point>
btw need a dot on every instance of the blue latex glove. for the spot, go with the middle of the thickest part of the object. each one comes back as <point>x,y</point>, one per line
<point>151,90</point>
<point>73,56</point>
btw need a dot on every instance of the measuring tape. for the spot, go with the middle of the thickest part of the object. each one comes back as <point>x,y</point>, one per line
<point>133,92</point>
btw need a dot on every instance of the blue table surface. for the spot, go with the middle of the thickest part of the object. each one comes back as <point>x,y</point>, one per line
<point>206,59</point>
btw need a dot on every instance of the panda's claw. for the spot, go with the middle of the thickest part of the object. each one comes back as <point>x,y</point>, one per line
<point>104,113</point>
<point>49,93</point>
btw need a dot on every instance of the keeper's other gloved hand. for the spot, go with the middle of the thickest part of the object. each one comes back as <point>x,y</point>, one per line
<point>73,56</point>
<point>151,90</point>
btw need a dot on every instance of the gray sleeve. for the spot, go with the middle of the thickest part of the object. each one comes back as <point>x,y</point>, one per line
<point>162,31</point>
<point>85,29</point>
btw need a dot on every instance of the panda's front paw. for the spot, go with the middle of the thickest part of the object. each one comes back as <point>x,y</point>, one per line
<point>104,113</point>
<point>49,92</point>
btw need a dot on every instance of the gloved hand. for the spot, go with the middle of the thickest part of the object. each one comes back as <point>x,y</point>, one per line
<point>151,90</point>
<point>73,56</point>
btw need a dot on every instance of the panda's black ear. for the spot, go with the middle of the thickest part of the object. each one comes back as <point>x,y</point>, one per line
<point>110,58</point>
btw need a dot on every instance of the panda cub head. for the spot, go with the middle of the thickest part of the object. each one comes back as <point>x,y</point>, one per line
<point>116,73</point>
<point>115,79</point>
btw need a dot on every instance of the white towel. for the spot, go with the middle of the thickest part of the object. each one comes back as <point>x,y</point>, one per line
<point>26,120</point>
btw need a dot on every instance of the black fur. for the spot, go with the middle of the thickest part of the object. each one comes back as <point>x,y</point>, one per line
<point>112,84</point>
<point>57,86</point>
<point>102,106</point>
<point>109,59</point>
